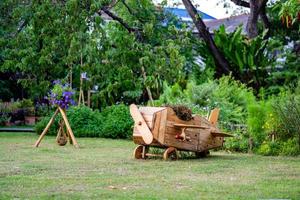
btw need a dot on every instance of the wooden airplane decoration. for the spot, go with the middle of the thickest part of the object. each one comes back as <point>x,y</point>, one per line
<point>160,127</point>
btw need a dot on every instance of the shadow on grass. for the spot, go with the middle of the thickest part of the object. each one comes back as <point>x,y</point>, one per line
<point>185,155</point>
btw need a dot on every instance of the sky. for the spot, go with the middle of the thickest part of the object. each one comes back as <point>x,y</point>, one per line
<point>213,8</point>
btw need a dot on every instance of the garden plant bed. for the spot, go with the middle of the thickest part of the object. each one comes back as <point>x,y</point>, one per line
<point>105,168</point>
<point>16,129</point>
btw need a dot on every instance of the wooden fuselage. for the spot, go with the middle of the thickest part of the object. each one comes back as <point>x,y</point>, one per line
<point>161,120</point>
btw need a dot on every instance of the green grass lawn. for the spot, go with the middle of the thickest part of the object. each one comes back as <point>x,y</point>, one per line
<point>105,169</point>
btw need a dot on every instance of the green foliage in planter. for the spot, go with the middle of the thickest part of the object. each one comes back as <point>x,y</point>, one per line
<point>9,107</point>
<point>117,122</point>
<point>25,103</point>
<point>4,118</point>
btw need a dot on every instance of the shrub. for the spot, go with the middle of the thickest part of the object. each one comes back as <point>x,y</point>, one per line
<point>113,122</point>
<point>39,127</point>
<point>117,122</point>
<point>288,112</point>
<point>255,122</point>
<point>290,148</point>
<point>84,122</point>
<point>4,118</point>
<point>171,95</point>
<point>240,142</point>
<point>269,149</point>
<point>232,97</point>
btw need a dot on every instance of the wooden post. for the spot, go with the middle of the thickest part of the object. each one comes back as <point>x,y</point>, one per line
<point>81,94</point>
<point>64,116</point>
<point>46,129</point>
<point>89,99</point>
<point>71,75</point>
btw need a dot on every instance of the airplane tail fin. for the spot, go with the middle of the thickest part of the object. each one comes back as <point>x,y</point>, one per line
<point>214,115</point>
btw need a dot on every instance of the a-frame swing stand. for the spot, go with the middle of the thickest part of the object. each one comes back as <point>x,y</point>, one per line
<point>69,133</point>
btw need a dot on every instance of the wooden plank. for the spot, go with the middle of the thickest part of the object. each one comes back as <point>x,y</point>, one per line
<point>64,116</point>
<point>136,131</point>
<point>150,110</point>
<point>154,155</point>
<point>184,145</point>
<point>147,117</point>
<point>213,117</point>
<point>191,126</point>
<point>162,126</point>
<point>155,128</point>
<point>201,121</point>
<point>207,141</point>
<point>138,140</point>
<point>149,124</point>
<point>140,124</point>
<point>46,129</point>
<point>174,131</point>
<point>220,134</point>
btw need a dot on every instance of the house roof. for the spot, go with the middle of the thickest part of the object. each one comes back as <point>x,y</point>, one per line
<point>230,23</point>
<point>184,15</point>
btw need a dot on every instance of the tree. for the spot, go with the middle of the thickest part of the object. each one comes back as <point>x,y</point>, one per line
<point>257,9</point>
<point>124,56</point>
<point>223,66</point>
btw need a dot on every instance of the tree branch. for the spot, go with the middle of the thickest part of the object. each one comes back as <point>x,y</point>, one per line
<point>241,3</point>
<point>222,63</point>
<point>131,11</point>
<point>136,31</point>
<point>118,19</point>
<point>20,28</point>
<point>112,4</point>
<point>264,17</point>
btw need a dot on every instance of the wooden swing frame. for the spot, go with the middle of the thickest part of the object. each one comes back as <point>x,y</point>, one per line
<point>63,122</point>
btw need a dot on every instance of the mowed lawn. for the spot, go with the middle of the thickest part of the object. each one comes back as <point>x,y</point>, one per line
<point>105,169</point>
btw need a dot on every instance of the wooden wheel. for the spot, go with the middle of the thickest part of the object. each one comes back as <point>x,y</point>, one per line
<point>170,154</point>
<point>202,154</point>
<point>140,152</point>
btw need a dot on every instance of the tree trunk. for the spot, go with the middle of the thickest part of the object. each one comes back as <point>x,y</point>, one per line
<point>264,18</point>
<point>147,88</point>
<point>222,64</point>
<point>253,19</point>
<point>257,8</point>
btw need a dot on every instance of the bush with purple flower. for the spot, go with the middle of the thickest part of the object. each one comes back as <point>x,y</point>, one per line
<point>61,95</point>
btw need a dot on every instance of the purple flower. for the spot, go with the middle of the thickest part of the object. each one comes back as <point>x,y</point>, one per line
<point>64,99</point>
<point>56,82</point>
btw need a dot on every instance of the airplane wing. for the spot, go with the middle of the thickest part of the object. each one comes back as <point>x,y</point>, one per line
<point>219,134</point>
<point>190,126</point>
